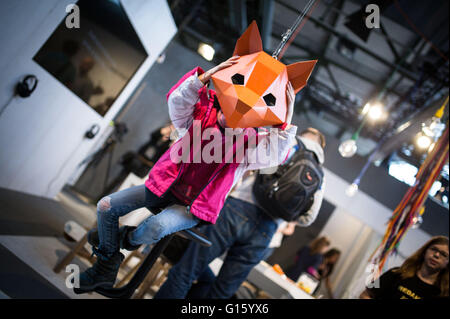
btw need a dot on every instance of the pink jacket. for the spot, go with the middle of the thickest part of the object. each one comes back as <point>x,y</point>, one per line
<point>190,100</point>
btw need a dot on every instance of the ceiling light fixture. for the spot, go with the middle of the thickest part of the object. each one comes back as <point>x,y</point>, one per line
<point>206,51</point>
<point>423,141</point>
<point>348,148</point>
<point>352,190</point>
<point>377,112</point>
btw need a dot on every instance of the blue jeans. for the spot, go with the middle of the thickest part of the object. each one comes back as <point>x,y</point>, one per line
<point>242,229</point>
<point>171,219</point>
<point>200,289</point>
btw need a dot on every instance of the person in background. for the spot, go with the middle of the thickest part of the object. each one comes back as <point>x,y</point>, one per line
<point>424,275</point>
<point>330,258</point>
<point>309,258</point>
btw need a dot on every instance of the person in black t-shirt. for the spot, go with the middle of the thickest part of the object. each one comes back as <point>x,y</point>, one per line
<point>424,275</point>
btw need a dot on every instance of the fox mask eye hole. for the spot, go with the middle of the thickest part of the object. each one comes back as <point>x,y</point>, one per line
<point>270,99</point>
<point>237,79</point>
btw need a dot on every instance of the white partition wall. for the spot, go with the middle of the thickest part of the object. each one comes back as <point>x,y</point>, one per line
<point>42,137</point>
<point>356,227</point>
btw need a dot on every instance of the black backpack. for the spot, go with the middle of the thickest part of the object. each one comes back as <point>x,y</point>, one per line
<point>289,192</point>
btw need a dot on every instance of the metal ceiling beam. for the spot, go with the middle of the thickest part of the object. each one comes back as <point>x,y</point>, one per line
<point>330,29</point>
<point>327,46</point>
<point>267,22</point>
<point>333,79</point>
<point>190,16</point>
<point>384,84</point>
<point>323,59</point>
<point>390,44</point>
<point>238,15</point>
<point>330,7</point>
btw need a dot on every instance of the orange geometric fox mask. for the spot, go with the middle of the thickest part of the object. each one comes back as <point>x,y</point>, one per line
<point>252,92</point>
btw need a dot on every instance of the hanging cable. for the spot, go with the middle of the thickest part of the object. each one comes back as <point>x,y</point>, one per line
<point>6,104</point>
<point>292,32</point>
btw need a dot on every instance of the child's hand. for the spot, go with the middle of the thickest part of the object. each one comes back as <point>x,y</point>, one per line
<point>290,94</point>
<point>205,77</point>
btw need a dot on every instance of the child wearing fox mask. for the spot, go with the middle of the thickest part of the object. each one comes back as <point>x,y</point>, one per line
<point>252,90</point>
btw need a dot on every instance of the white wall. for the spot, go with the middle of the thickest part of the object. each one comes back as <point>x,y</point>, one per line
<point>42,137</point>
<point>356,228</point>
<point>369,211</point>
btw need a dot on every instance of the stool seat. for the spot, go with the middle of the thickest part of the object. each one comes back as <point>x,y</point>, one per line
<point>195,235</point>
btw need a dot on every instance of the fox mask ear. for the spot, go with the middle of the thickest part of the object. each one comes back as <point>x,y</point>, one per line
<point>249,42</point>
<point>298,73</point>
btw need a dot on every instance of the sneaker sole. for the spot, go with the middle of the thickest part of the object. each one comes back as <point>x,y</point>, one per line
<point>92,288</point>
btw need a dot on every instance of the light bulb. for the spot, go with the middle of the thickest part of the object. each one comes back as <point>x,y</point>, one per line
<point>206,51</point>
<point>351,190</point>
<point>417,221</point>
<point>348,148</point>
<point>375,112</point>
<point>366,109</point>
<point>423,142</point>
<point>434,129</point>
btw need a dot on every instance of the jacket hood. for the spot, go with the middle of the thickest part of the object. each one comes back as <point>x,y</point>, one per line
<point>315,148</point>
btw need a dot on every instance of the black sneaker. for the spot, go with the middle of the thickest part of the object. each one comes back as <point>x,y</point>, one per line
<point>124,233</point>
<point>102,274</point>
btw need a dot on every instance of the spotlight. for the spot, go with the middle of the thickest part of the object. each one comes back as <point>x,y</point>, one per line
<point>206,51</point>
<point>376,112</point>
<point>423,142</point>
<point>348,148</point>
<point>351,190</point>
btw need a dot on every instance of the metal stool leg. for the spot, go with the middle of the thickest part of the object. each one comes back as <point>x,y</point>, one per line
<point>68,258</point>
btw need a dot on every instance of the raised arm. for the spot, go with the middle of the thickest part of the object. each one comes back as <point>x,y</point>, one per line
<point>205,77</point>
<point>182,98</point>
<point>184,95</point>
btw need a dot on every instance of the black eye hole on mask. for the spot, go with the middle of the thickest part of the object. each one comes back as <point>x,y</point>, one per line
<point>270,99</point>
<point>237,79</point>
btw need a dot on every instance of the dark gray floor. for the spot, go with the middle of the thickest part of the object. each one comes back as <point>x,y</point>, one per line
<point>19,281</point>
<point>27,215</point>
